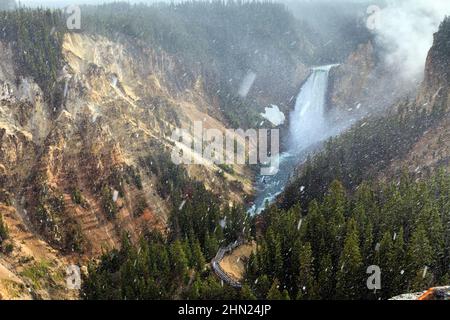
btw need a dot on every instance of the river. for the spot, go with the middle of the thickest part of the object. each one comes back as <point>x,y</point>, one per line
<point>308,126</point>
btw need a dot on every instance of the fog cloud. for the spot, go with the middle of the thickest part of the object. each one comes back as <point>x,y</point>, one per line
<point>405,28</point>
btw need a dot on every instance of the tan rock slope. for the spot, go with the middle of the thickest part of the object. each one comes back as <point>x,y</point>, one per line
<point>61,169</point>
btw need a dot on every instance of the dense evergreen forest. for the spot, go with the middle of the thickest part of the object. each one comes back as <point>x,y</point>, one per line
<point>361,152</point>
<point>370,145</point>
<point>321,251</point>
<point>404,228</point>
<point>338,27</point>
<point>156,269</point>
<point>225,33</point>
<point>221,40</point>
<point>36,37</point>
<point>323,254</point>
<point>335,218</point>
<point>173,265</point>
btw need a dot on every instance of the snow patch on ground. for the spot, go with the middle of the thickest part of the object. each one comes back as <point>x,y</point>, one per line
<point>274,115</point>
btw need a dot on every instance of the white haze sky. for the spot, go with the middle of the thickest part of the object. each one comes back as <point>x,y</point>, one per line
<point>66,2</point>
<point>404,28</point>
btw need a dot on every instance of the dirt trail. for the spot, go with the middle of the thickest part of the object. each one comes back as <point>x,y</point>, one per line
<point>234,263</point>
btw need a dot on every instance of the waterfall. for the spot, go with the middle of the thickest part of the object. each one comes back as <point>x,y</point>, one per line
<point>308,127</point>
<point>308,124</point>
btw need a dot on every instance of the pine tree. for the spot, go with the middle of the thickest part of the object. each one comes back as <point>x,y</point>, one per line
<point>349,274</point>
<point>385,260</point>
<point>399,265</point>
<point>188,252</point>
<point>420,255</point>
<point>262,286</point>
<point>237,224</point>
<point>274,291</point>
<point>211,245</point>
<point>193,293</point>
<point>246,293</point>
<point>197,257</point>
<point>3,230</point>
<point>334,210</point>
<point>178,261</point>
<point>315,228</point>
<point>367,245</point>
<point>326,282</point>
<point>285,295</point>
<point>306,282</point>
<point>274,255</point>
<point>252,269</point>
<point>434,228</point>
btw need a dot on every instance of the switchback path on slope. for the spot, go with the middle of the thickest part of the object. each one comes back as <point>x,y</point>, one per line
<point>215,264</point>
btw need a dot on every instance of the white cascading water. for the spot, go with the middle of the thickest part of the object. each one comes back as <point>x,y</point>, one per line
<point>308,127</point>
<point>308,124</point>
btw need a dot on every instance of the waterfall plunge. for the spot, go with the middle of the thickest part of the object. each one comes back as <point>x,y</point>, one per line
<point>308,127</point>
<point>308,124</point>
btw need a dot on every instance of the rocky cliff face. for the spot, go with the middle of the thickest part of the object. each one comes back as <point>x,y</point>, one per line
<point>435,87</point>
<point>350,82</point>
<point>73,180</point>
<point>121,104</point>
<point>363,85</point>
<point>432,150</point>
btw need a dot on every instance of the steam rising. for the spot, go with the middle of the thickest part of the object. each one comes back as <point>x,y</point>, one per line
<point>405,30</point>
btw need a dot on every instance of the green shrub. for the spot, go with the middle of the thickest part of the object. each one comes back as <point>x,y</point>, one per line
<point>227,168</point>
<point>36,36</point>
<point>141,205</point>
<point>5,197</point>
<point>7,248</point>
<point>78,198</point>
<point>135,176</point>
<point>3,231</point>
<point>73,237</point>
<point>108,204</point>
